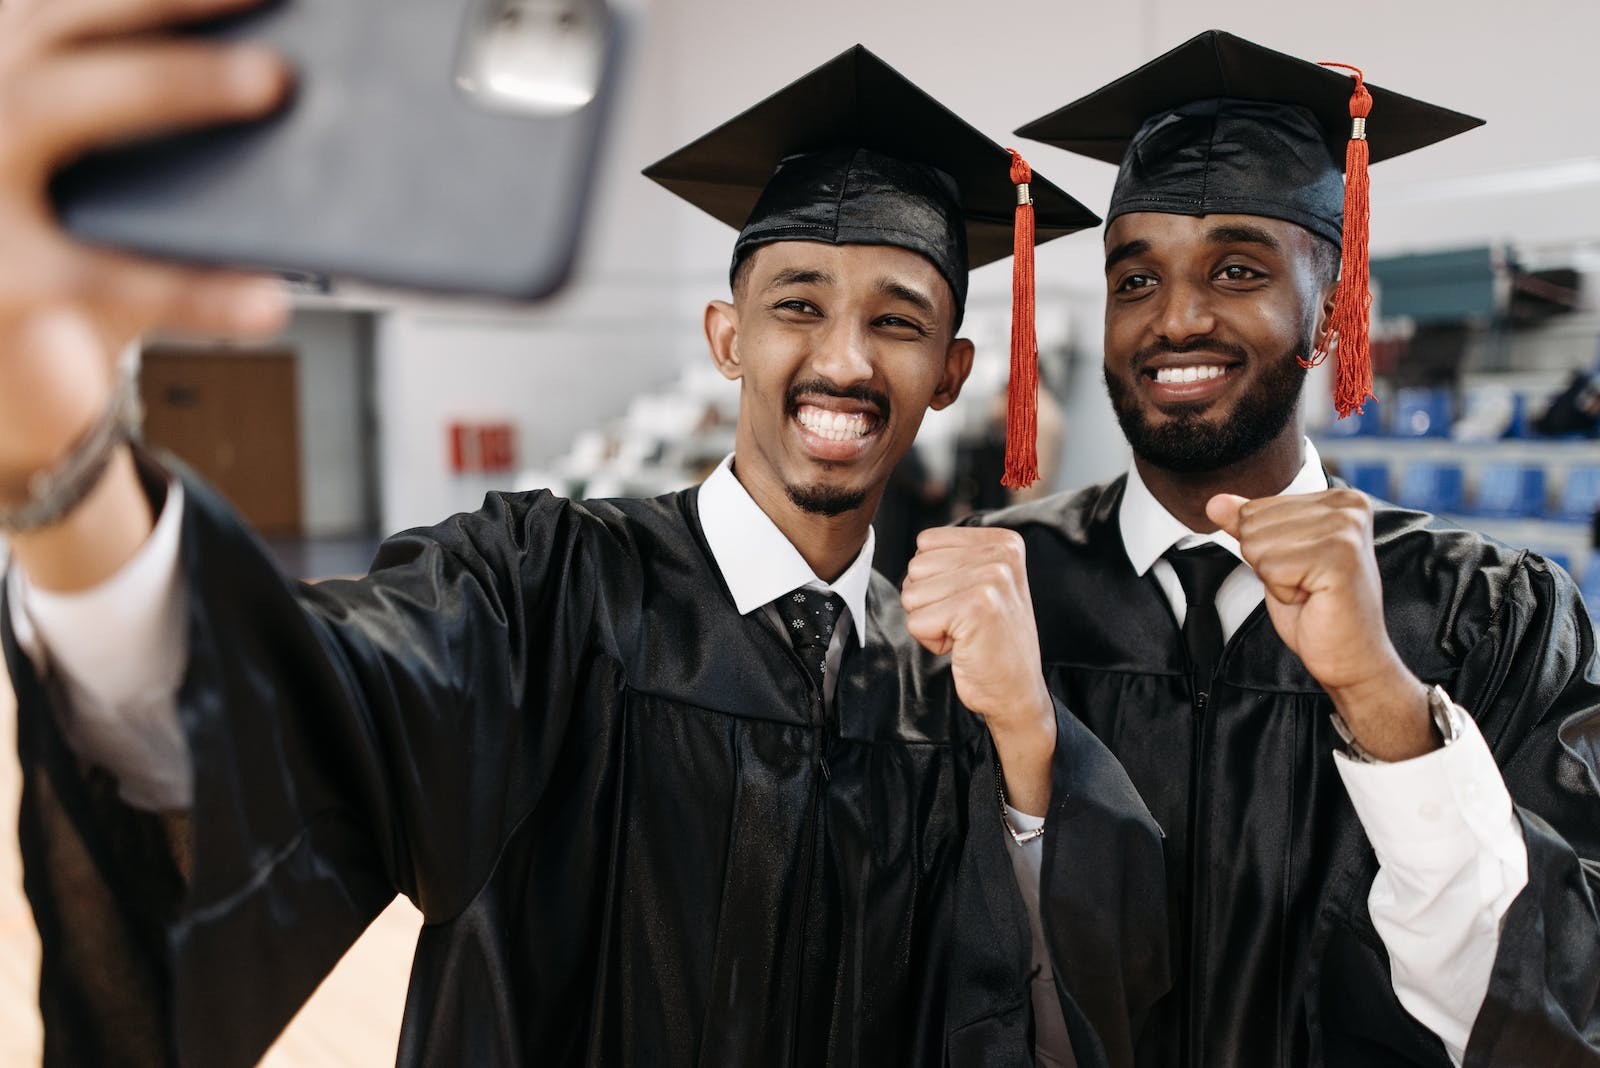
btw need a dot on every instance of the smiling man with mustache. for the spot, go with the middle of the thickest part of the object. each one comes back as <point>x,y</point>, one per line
<point>672,781</point>
<point>1369,737</point>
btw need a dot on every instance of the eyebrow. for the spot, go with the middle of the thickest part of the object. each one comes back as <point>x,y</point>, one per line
<point>799,276</point>
<point>889,287</point>
<point>914,297</point>
<point>1217,235</point>
<point>1125,250</point>
<point>1245,235</point>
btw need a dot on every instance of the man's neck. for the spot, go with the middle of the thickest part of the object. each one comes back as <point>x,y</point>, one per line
<point>829,544</point>
<point>1184,494</point>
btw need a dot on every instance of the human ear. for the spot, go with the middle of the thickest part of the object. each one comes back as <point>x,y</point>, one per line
<point>722,337</point>
<point>957,366</point>
<point>1325,313</point>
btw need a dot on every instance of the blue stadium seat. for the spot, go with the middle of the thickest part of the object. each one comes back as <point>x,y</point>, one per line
<point>1590,587</point>
<point>1366,423</point>
<point>1421,413</point>
<point>1510,491</point>
<point>1580,495</point>
<point>1431,487</point>
<point>1370,478</point>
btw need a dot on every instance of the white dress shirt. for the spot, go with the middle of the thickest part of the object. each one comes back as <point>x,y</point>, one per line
<point>1450,850</point>
<point>119,652</point>
<point>759,563</point>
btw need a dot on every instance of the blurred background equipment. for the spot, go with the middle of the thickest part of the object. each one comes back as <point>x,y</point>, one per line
<point>1488,379</point>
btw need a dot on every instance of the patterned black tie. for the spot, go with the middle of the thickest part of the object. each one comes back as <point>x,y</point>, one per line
<point>1201,571</point>
<point>809,617</point>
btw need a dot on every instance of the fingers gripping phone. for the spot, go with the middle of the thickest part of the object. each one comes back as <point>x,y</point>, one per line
<point>440,145</point>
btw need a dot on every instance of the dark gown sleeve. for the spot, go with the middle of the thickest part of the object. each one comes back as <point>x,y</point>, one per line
<point>350,740</point>
<point>1533,682</point>
<point>1103,898</point>
<point>1102,904</point>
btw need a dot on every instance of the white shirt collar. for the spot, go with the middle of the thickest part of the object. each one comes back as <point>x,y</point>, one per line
<point>758,563</point>
<point>1148,529</point>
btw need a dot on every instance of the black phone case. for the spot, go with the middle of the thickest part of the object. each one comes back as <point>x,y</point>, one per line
<point>386,166</point>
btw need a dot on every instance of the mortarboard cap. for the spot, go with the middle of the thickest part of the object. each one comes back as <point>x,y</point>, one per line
<point>854,153</point>
<point>1221,125</point>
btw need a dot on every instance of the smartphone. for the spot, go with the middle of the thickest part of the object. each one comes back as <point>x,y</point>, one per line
<point>435,145</point>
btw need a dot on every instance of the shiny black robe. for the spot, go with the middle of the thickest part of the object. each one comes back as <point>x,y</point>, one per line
<point>634,832</point>
<point>1276,959</point>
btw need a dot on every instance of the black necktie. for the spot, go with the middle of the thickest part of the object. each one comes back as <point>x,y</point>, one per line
<point>809,617</point>
<point>1201,571</point>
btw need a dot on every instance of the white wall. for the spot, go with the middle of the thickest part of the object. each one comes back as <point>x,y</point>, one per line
<point>333,480</point>
<point>551,374</point>
<point>652,261</point>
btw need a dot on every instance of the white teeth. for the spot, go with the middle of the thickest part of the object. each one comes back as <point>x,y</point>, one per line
<point>1189,374</point>
<point>835,426</point>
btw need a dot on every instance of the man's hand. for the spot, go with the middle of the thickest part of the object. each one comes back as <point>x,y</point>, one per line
<point>1313,553</point>
<point>74,75</point>
<point>966,594</point>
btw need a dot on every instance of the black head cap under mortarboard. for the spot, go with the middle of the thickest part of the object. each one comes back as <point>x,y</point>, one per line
<point>1220,125</point>
<point>853,153</point>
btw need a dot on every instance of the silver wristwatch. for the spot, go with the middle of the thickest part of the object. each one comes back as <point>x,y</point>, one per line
<point>1445,724</point>
<point>54,493</point>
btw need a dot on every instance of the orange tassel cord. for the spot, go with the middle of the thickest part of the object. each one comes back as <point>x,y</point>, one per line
<point>1022,403</point>
<point>1350,326</point>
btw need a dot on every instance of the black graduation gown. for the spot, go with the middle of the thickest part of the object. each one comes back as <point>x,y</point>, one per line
<point>634,834</point>
<point>1277,961</point>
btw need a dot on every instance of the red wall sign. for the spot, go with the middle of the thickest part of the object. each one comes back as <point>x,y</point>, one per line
<point>482,448</point>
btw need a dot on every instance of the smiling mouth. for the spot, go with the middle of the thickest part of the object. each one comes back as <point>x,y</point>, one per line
<point>1179,375</point>
<point>834,425</point>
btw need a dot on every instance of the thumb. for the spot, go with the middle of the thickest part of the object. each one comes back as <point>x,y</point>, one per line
<point>930,632</point>
<point>1223,510</point>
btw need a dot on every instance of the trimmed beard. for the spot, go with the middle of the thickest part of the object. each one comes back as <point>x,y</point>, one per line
<point>820,499</point>
<point>1187,444</point>
<point>826,500</point>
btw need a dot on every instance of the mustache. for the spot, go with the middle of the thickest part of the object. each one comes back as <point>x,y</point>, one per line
<point>1199,344</point>
<point>817,387</point>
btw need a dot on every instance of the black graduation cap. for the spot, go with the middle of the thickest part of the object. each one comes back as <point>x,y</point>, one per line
<point>854,153</point>
<point>1220,125</point>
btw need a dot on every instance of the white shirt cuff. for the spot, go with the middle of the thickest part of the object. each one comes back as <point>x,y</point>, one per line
<point>1452,860</point>
<point>1433,813</point>
<point>118,652</point>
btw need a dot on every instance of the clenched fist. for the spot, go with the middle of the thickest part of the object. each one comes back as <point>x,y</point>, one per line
<point>966,594</point>
<point>1313,553</point>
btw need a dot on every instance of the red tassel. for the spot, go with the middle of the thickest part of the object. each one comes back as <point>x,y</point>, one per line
<point>1350,325</point>
<point>1022,404</point>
